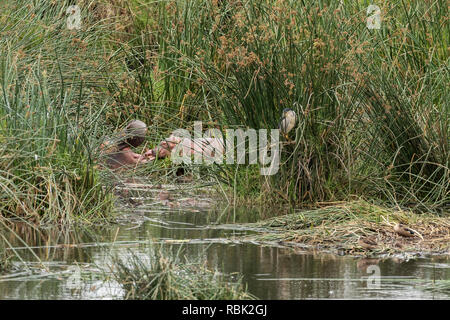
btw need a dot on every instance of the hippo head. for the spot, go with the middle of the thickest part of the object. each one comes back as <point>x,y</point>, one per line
<point>134,134</point>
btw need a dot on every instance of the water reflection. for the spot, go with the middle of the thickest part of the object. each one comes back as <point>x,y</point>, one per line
<point>269,271</point>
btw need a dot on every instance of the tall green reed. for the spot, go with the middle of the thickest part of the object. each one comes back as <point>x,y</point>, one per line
<point>51,102</point>
<point>373,116</point>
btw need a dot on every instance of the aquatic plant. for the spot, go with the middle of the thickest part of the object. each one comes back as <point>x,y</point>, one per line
<point>372,104</point>
<point>49,107</point>
<point>162,275</point>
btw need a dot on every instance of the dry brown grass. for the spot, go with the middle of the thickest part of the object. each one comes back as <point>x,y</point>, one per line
<point>341,226</point>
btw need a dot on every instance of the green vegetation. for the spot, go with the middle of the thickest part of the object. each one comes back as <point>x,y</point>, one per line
<point>372,109</point>
<point>165,277</point>
<point>372,105</point>
<point>49,116</point>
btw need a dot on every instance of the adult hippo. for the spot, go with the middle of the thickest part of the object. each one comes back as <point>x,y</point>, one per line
<point>119,154</point>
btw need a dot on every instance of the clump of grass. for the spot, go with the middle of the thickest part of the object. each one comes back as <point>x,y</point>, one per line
<point>341,225</point>
<point>50,103</point>
<point>164,277</point>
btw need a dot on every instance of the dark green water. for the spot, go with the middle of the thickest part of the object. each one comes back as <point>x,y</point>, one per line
<point>74,264</point>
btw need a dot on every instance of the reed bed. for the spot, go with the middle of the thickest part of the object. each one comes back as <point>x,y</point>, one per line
<point>372,104</point>
<point>51,80</point>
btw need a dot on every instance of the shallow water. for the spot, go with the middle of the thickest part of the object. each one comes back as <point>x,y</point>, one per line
<point>75,264</point>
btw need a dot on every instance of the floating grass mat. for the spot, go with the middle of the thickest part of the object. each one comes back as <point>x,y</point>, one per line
<point>358,228</point>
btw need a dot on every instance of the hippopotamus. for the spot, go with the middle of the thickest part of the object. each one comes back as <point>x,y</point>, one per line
<point>207,147</point>
<point>118,155</point>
